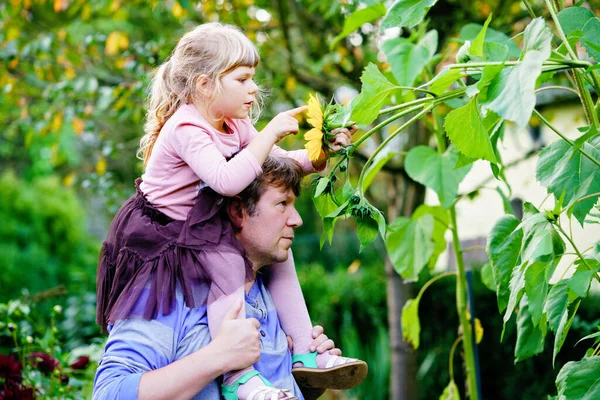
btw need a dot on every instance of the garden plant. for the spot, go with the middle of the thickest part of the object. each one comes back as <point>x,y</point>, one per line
<point>466,107</point>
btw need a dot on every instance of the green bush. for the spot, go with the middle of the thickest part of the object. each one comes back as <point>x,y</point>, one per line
<point>43,240</point>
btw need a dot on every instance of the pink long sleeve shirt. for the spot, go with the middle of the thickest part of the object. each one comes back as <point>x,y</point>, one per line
<point>189,153</point>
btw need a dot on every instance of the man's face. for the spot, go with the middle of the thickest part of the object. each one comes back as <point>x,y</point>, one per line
<point>267,235</point>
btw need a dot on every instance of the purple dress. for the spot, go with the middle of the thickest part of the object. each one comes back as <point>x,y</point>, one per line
<point>146,248</point>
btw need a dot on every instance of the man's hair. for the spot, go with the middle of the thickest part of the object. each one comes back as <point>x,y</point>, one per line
<point>281,172</point>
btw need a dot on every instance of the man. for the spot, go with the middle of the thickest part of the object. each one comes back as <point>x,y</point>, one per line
<point>172,357</point>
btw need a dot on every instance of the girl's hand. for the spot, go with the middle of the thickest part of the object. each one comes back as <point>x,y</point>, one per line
<point>283,124</point>
<point>342,139</point>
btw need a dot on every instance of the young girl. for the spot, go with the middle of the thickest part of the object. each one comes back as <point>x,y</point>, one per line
<point>197,122</point>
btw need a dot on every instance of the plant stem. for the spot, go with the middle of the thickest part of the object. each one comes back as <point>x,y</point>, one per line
<point>557,88</point>
<point>583,260</point>
<point>432,280</point>
<point>387,140</point>
<point>461,307</point>
<point>451,358</point>
<point>381,125</point>
<point>416,90</point>
<point>584,198</point>
<point>581,150</point>
<point>548,63</point>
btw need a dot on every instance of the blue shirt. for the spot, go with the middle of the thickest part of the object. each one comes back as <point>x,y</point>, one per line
<point>136,345</point>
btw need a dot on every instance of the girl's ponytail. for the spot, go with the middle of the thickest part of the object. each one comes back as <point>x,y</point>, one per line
<point>164,101</point>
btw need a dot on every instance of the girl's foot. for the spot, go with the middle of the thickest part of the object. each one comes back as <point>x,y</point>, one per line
<point>252,386</point>
<point>324,370</point>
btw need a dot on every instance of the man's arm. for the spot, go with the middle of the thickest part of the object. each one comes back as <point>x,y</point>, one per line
<point>236,346</point>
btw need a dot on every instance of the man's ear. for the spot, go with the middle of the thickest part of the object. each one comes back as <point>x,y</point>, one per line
<point>237,212</point>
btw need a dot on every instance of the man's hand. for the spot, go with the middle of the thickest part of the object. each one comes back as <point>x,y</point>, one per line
<point>342,138</point>
<point>321,342</point>
<point>238,339</point>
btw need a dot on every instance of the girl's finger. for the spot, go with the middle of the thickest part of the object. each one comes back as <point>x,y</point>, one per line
<point>295,111</point>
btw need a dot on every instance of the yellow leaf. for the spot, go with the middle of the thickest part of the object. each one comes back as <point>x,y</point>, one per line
<point>353,268</point>
<point>61,35</point>
<point>78,125</point>
<point>101,166</point>
<point>12,34</point>
<point>69,180</point>
<point>60,5</point>
<point>478,331</point>
<point>290,83</point>
<point>70,73</point>
<point>177,10</point>
<point>57,121</point>
<point>115,42</point>
<point>13,63</point>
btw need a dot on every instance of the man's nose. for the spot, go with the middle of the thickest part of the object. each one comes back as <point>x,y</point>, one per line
<point>294,219</point>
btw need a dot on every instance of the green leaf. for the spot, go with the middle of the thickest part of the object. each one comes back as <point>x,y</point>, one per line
<point>357,19</point>
<point>590,336</point>
<point>440,225</point>
<point>406,59</point>
<point>556,304</point>
<point>495,52</point>
<point>324,205</point>
<point>591,33</point>
<point>581,280</point>
<point>468,131</point>
<point>573,19</point>
<point>536,288</point>
<point>406,13</point>
<point>444,80</point>
<point>579,380</point>
<point>375,92</point>
<point>516,287</point>
<point>367,230</point>
<point>508,208</point>
<point>541,242</point>
<point>487,277</point>
<point>561,169</point>
<point>430,42</point>
<point>321,186</point>
<point>344,193</point>
<point>409,245</point>
<point>477,45</point>
<point>504,246</point>
<point>538,37</point>
<point>450,392</point>
<point>436,171</point>
<point>470,32</point>
<point>489,74</point>
<point>511,95</point>
<point>563,328</point>
<point>380,160</point>
<point>530,337</point>
<point>411,327</point>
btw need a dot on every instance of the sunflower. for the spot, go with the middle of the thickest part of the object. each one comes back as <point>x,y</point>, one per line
<point>314,137</point>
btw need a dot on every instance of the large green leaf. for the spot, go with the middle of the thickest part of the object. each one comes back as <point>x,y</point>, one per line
<point>468,131</point>
<point>504,246</point>
<point>537,38</point>
<point>556,304</point>
<point>440,225</point>
<point>579,380</point>
<point>530,337</point>
<point>511,95</point>
<point>376,90</point>
<point>406,59</point>
<point>411,327</point>
<point>367,230</point>
<point>541,242</point>
<point>410,244</point>
<point>591,33</point>
<point>436,171</point>
<point>406,13</point>
<point>562,170</point>
<point>517,288</point>
<point>444,80</point>
<point>357,19</point>
<point>581,280</point>
<point>566,321</point>
<point>536,288</point>
<point>470,32</point>
<point>573,19</point>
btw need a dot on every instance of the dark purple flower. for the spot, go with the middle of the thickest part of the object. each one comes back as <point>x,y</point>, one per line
<point>10,368</point>
<point>81,363</point>
<point>44,362</point>
<point>11,390</point>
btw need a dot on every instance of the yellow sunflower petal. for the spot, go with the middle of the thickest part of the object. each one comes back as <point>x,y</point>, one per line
<point>314,150</point>
<point>315,114</point>
<point>313,134</point>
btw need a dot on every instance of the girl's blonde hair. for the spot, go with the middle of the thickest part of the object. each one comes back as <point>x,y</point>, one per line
<point>211,49</point>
